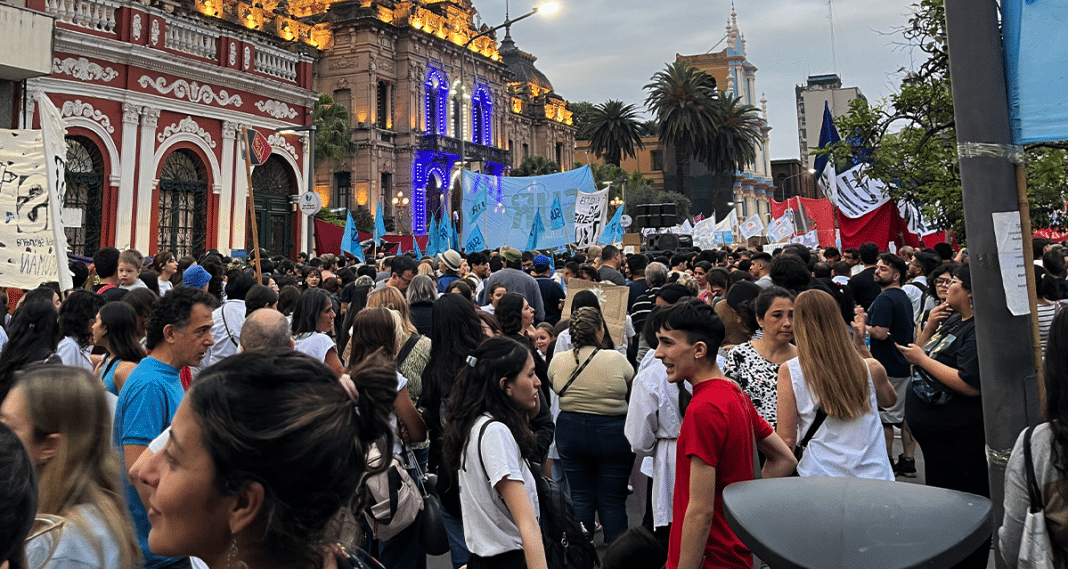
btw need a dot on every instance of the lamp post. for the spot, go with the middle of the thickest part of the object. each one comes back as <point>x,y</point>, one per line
<point>306,228</point>
<point>782,183</point>
<point>546,9</point>
<point>399,203</point>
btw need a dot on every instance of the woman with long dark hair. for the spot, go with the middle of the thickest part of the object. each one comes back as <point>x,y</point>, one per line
<point>488,436</point>
<point>115,330</point>
<point>76,317</point>
<point>754,365</point>
<point>33,336</point>
<point>1049,453</point>
<point>270,447</point>
<point>313,320</point>
<point>166,265</point>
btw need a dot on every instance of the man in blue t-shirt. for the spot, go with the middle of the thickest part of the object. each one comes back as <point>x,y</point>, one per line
<point>179,334</point>
<point>890,321</point>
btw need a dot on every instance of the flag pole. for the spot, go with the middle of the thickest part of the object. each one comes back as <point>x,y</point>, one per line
<point>251,205</point>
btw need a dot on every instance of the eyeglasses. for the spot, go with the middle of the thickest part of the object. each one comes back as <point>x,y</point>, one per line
<point>943,282</point>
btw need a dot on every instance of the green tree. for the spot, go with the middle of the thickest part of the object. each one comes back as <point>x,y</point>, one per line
<point>733,147</point>
<point>682,98</point>
<point>333,139</point>
<point>614,131</point>
<point>580,118</point>
<point>910,139</point>
<point>648,128</point>
<point>535,166</point>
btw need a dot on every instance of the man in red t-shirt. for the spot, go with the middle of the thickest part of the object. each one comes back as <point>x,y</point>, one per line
<point>715,445</point>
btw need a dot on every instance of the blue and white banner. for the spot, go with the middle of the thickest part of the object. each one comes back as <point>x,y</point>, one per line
<point>1036,46</point>
<point>503,208</point>
<point>590,212</point>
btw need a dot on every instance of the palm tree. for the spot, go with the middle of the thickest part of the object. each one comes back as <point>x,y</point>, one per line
<point>734,144</point>
<point>614,131</point>
<point>535,166</point>
<point>682,98</point>
<point>333,140</point>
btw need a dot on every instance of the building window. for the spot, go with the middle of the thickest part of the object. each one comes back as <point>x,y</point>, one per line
<point>343,97</point>
<point>526,151</point>
<point>382,108</point>
<point>84,183</point>
<point>343,183</point>
<point>183,204</point>
<point>482,116</point>
<point>560,155</point>
<point>437,101</point>
<point>657,158</point>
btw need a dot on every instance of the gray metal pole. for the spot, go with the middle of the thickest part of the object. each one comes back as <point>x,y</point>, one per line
<point>977,66</point>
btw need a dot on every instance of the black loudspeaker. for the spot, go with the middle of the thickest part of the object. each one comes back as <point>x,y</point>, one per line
<point>655,215</point>
<point>667,242</point>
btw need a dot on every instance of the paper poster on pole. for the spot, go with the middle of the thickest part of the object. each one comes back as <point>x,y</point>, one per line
<point>590,211</point>
<point>613,301</point>
<point>1009,236</point>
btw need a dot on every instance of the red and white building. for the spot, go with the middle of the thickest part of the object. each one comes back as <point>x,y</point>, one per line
<point>155,97</point>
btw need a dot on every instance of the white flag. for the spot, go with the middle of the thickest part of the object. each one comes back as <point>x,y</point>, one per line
<point>686,228</point>
<point>782,228</point>
<point>915,222</point>
<point>858,195</point>
<point>752,227</point>
<point>826,183</point>
<point>810,239</point>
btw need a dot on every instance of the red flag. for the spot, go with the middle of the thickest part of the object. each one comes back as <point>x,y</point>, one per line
<point>879,227</point>
<point>258,147</point>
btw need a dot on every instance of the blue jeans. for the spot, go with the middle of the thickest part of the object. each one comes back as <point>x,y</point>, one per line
<point>458,552</point>
<point>597,460</point>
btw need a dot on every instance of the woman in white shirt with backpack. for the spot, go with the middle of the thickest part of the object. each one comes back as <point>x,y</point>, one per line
<point>489,438</point>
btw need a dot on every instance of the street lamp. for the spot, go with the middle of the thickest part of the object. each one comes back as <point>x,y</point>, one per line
<point>782,183</point>
<point>310,129</point>
<point>545,8</point>
<point>400,202</point>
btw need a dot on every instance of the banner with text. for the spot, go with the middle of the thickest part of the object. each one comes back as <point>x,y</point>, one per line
<point>590,211</point>
<point>503,209</point>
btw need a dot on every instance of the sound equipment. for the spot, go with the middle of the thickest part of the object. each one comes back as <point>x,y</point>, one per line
<point>655,215</point>
<point>668,242</point>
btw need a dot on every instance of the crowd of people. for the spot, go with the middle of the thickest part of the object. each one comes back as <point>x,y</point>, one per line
<point>177,413</point>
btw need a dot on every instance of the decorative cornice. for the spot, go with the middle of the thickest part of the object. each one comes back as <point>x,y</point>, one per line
<point>194,92</point>
<point>80,109</point>
<point>277,140</point>
<point>82,68</point>
<point>187,125</point>
<point>276,109</point>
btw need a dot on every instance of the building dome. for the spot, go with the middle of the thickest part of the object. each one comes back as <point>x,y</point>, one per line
<point>521,65</point>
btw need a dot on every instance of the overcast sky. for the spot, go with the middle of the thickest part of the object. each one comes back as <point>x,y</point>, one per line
<point>595,50</point>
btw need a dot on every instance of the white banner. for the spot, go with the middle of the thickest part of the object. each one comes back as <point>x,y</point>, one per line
<point>752,227</point>
<point>686,228</point>
<point>704,233</point>
<point>857,195</point>
<point>590,212</point>
<point>782,228</point>
<point>33,247</point>
<point>810,239</point>
<point>915,222</point>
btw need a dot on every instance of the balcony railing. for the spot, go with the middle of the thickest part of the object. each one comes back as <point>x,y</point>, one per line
<point>474,151</point>
<point>96,15</point>
<point>276,63</point>
<point>187,38</point>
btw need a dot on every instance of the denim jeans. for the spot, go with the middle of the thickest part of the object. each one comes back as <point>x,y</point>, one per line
<point>597,460</point>
<point>458,552</point>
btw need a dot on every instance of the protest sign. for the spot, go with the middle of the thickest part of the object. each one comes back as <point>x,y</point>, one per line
<point>613,301</point>
<point>590,210</point>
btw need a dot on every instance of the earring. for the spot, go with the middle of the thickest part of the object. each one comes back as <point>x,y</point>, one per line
<point>233,557</point>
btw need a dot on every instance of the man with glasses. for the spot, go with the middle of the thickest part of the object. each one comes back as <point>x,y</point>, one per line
<point>402,271</point>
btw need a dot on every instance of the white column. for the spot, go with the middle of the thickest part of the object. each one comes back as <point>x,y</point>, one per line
<point>305,221</point>
<point>131,115</point>
<point>142,236</point>
<point>240,213</point>
<point>228,208</point>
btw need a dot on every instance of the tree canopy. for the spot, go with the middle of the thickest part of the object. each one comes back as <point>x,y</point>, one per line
<point>911,144</point>
<point>614,131</point>
<point>333,139</point>
<point>535,166</point>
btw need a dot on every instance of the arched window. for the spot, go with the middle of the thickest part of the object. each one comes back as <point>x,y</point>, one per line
<point>482,115</point>
<point>433,199</point>
<point>273,184</point>
<point>84,184</point>
<point>183,204</point>
<point>437,101</point>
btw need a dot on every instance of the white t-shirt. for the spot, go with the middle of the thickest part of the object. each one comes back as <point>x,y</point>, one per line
<point>74,355</point>
<point>402,382</point>
<point>164,287</point>
<point>314,344</point>
<point>489,528</point>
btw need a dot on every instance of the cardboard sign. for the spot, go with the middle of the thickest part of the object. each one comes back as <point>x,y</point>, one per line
<point>613,304</point>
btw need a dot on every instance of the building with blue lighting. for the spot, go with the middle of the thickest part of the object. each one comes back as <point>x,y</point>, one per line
<point>396,66</point>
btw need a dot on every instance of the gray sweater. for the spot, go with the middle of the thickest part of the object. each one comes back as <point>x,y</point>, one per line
<point>1017,501</point>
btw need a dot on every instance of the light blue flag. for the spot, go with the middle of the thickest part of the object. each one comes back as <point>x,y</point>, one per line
<point>556,215</point>
<point>478,206</point>
<point>415,246</point>
<point>350,241</point>
<point>444,235</point>
<point>432,246</point>
<point>613,232</point>
<point>380,224</point>
<point>536,230</point>
<point>475,242</point>
<point>454,238</point>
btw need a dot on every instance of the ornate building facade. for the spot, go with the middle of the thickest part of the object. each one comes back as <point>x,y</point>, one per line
<point>417,97</point>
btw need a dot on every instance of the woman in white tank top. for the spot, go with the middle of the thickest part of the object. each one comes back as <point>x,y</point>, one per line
<point>829,374</point>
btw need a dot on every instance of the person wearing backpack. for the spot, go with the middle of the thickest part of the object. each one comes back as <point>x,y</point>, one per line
<point>488,435</point>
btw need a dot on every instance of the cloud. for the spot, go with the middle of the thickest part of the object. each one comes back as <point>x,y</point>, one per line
<point>595,50</point>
